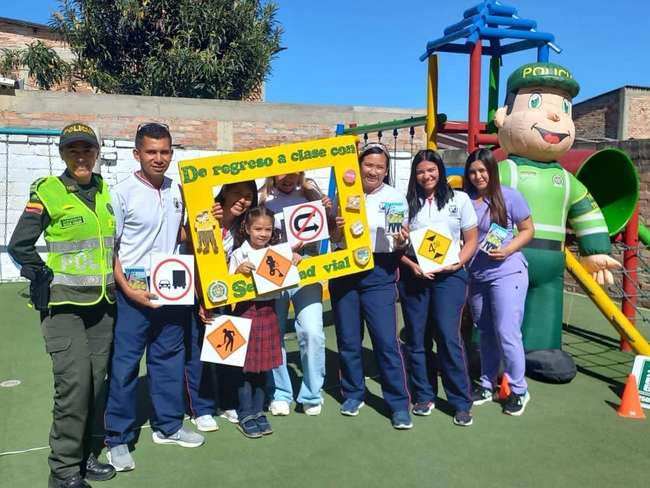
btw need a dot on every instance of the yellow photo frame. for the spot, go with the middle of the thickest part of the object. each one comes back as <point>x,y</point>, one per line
<point>199,177</point>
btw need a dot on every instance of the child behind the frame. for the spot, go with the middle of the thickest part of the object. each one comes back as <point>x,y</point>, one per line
<point>264,352</point>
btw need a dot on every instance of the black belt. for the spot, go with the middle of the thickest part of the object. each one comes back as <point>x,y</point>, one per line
<point>545,244</point>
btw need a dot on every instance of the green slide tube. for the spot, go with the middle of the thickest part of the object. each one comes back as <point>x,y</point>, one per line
<point>644,234</point>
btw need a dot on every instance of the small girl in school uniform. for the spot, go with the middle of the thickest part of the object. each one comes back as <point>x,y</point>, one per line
<point>277,193</point>
<point>264,351</point>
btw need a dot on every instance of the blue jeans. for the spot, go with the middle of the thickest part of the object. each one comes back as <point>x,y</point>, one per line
<point>308,306</point>
<point>161,332</point>
<point>250,391</point>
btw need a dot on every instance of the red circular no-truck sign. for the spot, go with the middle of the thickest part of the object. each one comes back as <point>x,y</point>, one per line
<point>167,283</point>
<point>306,223</point>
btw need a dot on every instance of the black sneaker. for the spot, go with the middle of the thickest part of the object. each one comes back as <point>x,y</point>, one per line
<point>516,404</point>
<point>264,425</point>
<point>423,409</point>
<point>464,419</point>
<point>250,429</point>
<point>481,395</point>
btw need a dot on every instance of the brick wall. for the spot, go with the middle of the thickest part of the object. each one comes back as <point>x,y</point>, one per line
<point>638,115</point>
<point>597,118</point>
<point>196,123</point>
<point>18,34</point>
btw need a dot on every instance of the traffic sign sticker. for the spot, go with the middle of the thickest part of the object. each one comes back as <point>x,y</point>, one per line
<point>226,339</point>
<point>434,246</point>
<point>305,223</point>
<point>274,267</point>
<point>172,279</point>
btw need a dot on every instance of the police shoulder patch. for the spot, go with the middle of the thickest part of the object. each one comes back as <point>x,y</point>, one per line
<point>34,186</point>
<point>34,207</point>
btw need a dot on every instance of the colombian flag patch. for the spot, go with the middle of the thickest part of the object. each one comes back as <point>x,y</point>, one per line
<point>35,208</point>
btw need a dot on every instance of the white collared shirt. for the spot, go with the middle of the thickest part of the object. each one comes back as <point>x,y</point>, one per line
<point>458,212</point>
<point>377,203</point>
<point>148,219</point>
<point>240,255</point>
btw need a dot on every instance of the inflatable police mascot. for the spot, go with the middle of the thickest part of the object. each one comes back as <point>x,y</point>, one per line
<point>535,131</point>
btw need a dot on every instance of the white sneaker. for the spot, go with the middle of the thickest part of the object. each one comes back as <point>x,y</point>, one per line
<point>230,416</point>
<point>183,437</point>
<point>279,407</point>
<point>312,410</point>
<point>205,423</point>
<point>120,458</point>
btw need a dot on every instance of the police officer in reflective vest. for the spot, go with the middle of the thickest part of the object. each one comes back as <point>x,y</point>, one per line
<point>74,292</point>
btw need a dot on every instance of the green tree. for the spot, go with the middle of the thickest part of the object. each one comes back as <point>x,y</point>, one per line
<point>182,48</point>
<point>44,64</point>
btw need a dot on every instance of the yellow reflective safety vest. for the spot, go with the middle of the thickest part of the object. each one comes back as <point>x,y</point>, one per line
<point>79,243</point>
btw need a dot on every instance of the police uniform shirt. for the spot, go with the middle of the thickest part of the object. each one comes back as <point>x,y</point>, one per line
<point>458,212</point>
<point>148,219</point>
<point>35,219</point>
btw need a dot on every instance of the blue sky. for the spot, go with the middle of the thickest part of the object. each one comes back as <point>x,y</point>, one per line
<point>365,52</point>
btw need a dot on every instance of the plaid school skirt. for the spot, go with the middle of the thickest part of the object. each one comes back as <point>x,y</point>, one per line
<point>264,348</point>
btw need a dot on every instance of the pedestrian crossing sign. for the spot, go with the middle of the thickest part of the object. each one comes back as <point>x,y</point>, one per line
<point>434,246</point>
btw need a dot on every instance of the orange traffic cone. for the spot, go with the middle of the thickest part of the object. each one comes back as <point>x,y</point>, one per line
<point>504,388</point>
<point>630,402</point>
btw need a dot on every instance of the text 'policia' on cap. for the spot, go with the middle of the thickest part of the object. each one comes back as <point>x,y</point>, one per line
<point>78,132</point>
<point>548,75</point>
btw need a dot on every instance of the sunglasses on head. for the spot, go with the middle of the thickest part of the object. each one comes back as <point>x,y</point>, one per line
<point>152,124</point>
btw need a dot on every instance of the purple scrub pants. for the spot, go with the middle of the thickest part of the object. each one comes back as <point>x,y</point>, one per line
<point>498,310</point>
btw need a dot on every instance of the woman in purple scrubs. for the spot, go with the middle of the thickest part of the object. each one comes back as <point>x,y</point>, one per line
<point>498,279</point>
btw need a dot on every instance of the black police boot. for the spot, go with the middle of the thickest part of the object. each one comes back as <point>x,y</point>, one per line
<point>75,481</point>
<point>96,471</point>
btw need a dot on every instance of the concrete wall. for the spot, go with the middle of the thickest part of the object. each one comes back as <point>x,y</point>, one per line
<point>23,159</point>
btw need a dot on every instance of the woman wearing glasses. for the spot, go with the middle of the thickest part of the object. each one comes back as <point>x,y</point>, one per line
<point>371,296</point>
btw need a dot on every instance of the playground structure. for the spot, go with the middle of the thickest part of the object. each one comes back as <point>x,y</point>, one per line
<point>609,174</point>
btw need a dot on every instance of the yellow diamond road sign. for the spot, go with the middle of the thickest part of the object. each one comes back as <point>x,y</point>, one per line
<point>434,246</point>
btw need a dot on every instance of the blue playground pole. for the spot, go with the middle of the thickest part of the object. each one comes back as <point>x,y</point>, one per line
<point>331,190</point>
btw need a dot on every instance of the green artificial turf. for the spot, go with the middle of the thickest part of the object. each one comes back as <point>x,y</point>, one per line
<point>570,434</point>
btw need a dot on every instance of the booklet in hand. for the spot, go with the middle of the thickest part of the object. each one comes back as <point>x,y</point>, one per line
<point>494,238</point>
